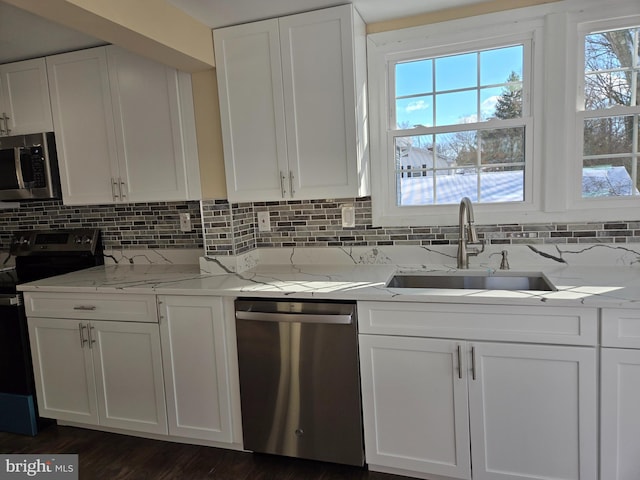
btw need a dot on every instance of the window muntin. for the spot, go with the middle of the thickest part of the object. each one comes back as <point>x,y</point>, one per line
<point>458,127</point>
<point>611,114</point>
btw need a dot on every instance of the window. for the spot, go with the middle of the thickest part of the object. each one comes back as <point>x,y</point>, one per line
<point>458,127</point>
<point>610,113</point>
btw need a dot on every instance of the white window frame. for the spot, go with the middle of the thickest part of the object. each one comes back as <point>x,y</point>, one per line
<point>555,141</point>
<point>608,207</point>
<point>476,35</point>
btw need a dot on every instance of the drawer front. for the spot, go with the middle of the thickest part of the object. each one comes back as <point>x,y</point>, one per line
<point>122,307</point>
<point>620,328</point>
<point>556,325</point>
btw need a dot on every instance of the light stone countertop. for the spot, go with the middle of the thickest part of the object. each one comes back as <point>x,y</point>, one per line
<point>592,286</point>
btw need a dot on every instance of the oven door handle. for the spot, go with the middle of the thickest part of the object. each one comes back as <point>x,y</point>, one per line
<point>9,300</point>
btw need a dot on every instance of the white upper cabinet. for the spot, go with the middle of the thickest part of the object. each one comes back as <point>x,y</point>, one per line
<point>293,106</point>
<point>24,98</point>
<point>124,128</point>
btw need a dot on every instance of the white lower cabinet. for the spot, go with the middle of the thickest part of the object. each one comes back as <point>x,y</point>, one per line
<point>461,408</point>
<point>620,395</point>
<point>415,405</point>
<point>196,360</point>
<point>99,373</point>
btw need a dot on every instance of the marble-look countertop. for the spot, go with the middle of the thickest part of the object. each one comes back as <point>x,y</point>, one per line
<point>593,286</point>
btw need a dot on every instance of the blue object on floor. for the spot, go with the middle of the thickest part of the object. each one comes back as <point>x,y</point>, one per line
<point>18,414</point>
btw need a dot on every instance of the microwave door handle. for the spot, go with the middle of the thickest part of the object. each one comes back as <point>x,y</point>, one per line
<point>18,158</point>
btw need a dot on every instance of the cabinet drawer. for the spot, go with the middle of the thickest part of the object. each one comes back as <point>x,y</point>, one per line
<point>556,325</point>
<point>128,308</point>
<point>620,328</point>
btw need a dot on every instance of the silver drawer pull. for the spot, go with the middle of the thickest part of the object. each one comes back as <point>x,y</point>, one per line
<point>85,307</point>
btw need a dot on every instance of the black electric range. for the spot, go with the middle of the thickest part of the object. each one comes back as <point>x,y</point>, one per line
<point>38,254</point>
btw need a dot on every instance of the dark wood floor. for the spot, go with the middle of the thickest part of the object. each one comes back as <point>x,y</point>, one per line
<point>121,457</point>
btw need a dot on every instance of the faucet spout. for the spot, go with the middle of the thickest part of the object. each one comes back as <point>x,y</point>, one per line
<point>467,234</point>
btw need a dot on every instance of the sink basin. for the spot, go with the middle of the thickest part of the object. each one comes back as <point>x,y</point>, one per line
<point>473,280</point>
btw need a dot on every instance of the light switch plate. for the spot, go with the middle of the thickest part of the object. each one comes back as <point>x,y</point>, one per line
<point>348,216</point>
<point>264,222</point>
<point>185,222</point>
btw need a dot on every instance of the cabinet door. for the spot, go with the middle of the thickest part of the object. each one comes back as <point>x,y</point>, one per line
<point>63,370</point>
<point>196,367</point>
<point>249,72</point>
<point>415,408</point>
<point>25,97</point>
<point>619,416</point>
<point>533,412</point>
<point>148,127</point>
<point>128,371</point>
<point>319,94</point>
<point>83,120</point>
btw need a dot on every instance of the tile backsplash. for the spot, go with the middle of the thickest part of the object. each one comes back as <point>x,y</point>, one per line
<point>221,228</point>
<point>231,229</point>
<point>123,226</point>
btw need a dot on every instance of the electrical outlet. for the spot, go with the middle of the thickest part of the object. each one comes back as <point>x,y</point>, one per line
<point>185,222</point>
<point>264,222</point>
<point>348,216</point>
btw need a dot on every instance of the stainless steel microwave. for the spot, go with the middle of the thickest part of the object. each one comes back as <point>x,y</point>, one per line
<point>29,167</point>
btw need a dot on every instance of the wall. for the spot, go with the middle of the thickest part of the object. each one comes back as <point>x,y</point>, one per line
<point>135,225</point>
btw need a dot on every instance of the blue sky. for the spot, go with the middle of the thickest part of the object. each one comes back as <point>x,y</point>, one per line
<point>453,73</point>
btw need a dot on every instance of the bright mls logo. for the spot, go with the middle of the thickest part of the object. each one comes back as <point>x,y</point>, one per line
<point>51,467</point>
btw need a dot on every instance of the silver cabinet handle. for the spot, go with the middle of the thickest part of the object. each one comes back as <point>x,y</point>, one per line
<point>460,361</point>
<point>473,362</point>
<point>85,307</point>
<point>83,340</point>
<point>122,187</point>
<point>6,123</point>
<point>91,339</point>
<point>3,131</point>
<point>114,185</point>
<point>291,190</point>
<point>282,189</point>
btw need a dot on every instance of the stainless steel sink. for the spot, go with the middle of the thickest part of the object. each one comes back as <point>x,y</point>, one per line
<point>473,280</point>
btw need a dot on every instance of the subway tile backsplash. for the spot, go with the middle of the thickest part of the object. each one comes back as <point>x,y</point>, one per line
<point>123,226</point>
<point>231,229</point>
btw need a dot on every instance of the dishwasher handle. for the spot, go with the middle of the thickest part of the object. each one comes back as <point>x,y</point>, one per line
<point>295,317</point>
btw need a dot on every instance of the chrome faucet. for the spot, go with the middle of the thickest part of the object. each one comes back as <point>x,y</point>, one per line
<point>470,237</point>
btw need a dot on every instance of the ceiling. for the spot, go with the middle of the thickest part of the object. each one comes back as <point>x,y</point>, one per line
<point>24,35</point>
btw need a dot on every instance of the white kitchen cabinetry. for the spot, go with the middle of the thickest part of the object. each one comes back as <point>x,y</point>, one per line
<point>620,395</point>
<point>24,98</point>
<point>531,408</point>
<point>197,353</point>
<point>293,106</point>
<point>415,405</point>
<point>124,128</point>
<point>98,372</point>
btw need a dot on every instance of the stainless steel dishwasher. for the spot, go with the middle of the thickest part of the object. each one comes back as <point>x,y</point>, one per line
<point>299,379</point>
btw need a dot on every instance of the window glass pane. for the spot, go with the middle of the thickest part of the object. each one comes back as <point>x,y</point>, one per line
<point>611,69</point>
<point>502,185</point>
<point>453,171</point>
<point>414,111</point>
<point>497,65</point>
<point>457,71</point>
<point>502,146</point>
<point>609,135</point>
<point>456,108</point>
<point>608,177</point>
<point>414,78</point>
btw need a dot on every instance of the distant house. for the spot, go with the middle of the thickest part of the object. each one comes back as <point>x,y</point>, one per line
<point>416,161</point>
